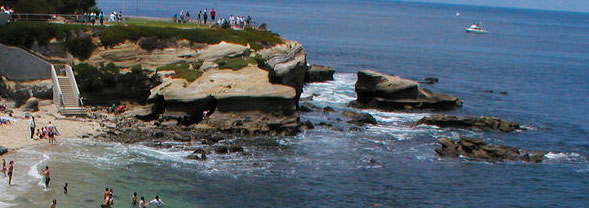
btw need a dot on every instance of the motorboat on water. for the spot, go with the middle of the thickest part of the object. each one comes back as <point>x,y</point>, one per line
<point>476,28</point>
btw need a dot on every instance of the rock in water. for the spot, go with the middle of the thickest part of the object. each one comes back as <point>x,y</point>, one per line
<point>3,150</point>
<point>318,73</point>
<point>469,122</point>
<point>359,119</point>
<point>376,90</point>
<point>198,154</point>
<point>477,149</point>
<point>430,80</point>
<point>31,105</point>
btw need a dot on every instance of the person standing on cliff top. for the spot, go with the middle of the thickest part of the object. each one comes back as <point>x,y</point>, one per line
<point>213,13</point>
<point>198,17</point>
<point>205,16</point>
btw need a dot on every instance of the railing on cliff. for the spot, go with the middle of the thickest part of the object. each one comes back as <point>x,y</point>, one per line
<point>48,17</point>
<point>57,95</point>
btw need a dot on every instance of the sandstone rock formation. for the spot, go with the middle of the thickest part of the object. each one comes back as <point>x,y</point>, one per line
<point>376,90</point>
<point>469,122</point>
<point>477,149</point>
<point>318,73</point>
<point>286,64</point>
<point>32,105</point>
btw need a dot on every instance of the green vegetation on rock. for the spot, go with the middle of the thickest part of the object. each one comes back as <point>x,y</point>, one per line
<point>236,63</point>
<point>77,37</point>
<point>104,84</point>
<point>184,70</point>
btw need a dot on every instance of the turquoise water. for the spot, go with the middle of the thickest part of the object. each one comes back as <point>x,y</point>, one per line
<point>538,57</point>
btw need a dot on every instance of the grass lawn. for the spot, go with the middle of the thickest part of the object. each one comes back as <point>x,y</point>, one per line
<point>161,23</point>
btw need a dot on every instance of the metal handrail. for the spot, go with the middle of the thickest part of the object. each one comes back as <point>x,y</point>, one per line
<point>57,98</point>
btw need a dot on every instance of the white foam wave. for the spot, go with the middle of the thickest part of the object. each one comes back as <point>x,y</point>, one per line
<point>34,170</point>
<point>562,156</point>
<point>6,205</point>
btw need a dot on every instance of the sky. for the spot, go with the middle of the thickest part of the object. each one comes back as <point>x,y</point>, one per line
<point>560,5</point>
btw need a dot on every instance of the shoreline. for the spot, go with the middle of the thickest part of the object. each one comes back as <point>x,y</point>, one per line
<point>15,136</point>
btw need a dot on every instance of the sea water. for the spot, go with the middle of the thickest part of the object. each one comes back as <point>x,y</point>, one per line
<point>540,58</point>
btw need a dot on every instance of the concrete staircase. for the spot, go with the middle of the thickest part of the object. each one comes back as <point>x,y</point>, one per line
<point>65,91</point>
<point>71,104</point>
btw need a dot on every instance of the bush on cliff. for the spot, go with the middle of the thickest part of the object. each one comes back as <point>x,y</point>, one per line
<point>80,47</point>
<point>151,43</point>
<point>183,70</point>
<point>23,33</point>
<point>236,63</point>
<point>50,6</point>
<point>104,84</point>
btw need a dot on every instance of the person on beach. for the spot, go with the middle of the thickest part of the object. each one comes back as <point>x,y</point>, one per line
<point>157,202</point>
<point>198,17</point>
<point>134,199</point>
<point>4,166</point>
<point>54,203</point>
<point>65,188</point>
<point>10,172</point>
<point>187,17</point>
<point>107,201</point>
<point>45,133</point>
<point>32,126</point>
<point>111,196</point>
<point>46,176</point>
<point>142,202</point>
<point>106,193</point>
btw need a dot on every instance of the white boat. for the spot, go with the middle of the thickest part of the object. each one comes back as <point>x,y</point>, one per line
<point>476,28</point>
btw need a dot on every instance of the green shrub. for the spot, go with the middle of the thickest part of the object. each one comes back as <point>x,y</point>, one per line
<point>151,43</point>
<point>236,63</point>
<point>23,33</point>
<point>197,65</point>
<point>81,47</point>
<point>182,71</point>
<point>136,68</point>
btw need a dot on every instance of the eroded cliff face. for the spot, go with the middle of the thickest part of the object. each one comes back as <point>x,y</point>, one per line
<point>262,98</point>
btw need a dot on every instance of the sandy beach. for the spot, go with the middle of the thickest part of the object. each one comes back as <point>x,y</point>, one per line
<point>17,135</point>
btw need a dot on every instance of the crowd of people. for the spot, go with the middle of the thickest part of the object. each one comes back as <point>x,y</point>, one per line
<point>95,18</point>
<point>6,10</point>
<point>207,16</point>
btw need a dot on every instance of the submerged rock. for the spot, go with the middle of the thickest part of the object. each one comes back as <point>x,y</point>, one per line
<point>198,154</point>
<point>469,122</point>
<point>376,90</point>
<point>430,80</point>
<point>359,119</point>
<point>477,149</point>
<point>318,73</point>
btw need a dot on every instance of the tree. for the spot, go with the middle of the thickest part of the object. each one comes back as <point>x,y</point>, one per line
<point>50,6</point>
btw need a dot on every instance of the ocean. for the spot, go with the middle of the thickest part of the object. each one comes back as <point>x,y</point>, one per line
<point>540,58</point>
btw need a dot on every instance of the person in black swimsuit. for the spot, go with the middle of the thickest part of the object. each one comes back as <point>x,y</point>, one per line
<point>10,170</point>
